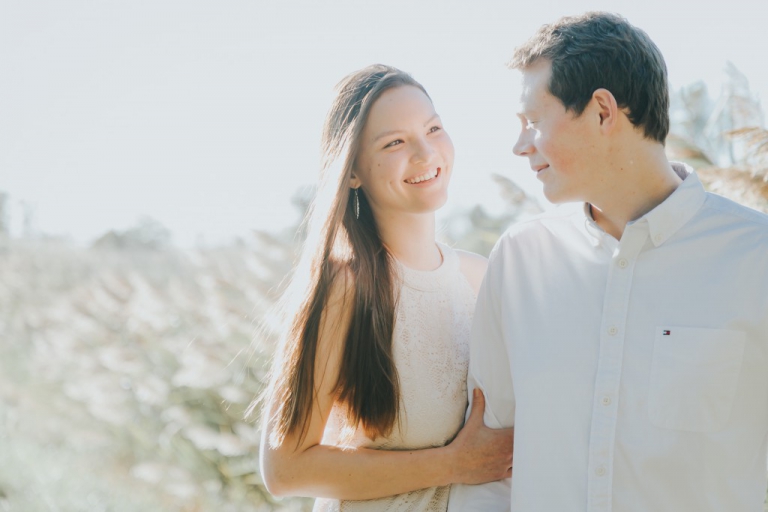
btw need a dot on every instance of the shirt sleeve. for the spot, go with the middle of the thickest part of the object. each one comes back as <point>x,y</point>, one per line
<point>489,370</point>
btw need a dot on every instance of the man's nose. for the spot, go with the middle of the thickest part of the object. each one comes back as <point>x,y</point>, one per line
<point>523,146</point>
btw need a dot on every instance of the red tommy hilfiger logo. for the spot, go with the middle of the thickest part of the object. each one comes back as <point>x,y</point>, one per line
<point>666,333</point>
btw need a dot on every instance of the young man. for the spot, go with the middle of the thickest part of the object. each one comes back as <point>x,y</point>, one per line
<point>627,343</point>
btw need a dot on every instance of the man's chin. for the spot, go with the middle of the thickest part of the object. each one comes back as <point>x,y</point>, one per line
<point>554,196</point>
<point>558,197</point>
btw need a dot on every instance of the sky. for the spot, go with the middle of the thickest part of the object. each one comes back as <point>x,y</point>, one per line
<point>206,115</point>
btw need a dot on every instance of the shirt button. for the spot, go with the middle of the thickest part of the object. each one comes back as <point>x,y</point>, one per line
<point>612,330</point>
<point>623,263</point>
<point>606,400</point>
<point>600,471</point>
<point>657,238</point>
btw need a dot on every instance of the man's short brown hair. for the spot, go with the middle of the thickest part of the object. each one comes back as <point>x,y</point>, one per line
<point>602,50</point>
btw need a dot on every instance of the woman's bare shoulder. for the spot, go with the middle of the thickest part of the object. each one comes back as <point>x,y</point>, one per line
<point>473,266</point>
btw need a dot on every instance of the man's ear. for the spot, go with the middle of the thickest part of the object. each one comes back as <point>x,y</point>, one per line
<point>607,108</point>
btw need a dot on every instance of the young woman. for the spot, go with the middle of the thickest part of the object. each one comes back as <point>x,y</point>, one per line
<point>369,389</point>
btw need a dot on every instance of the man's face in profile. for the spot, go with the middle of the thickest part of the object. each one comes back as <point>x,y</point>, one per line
<point>558,144</point>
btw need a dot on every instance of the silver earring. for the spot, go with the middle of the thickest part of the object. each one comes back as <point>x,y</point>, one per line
<point>357,205</point>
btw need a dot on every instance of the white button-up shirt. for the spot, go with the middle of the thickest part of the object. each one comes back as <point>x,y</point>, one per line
<point>635,372</point>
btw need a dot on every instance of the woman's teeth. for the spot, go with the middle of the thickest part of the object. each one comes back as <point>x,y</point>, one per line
<point>424,177</point>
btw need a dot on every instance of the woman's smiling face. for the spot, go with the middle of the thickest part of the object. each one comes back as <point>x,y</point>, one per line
<point>405,159</point>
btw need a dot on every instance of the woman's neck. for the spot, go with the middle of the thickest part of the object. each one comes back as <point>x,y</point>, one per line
<point>411,239</point>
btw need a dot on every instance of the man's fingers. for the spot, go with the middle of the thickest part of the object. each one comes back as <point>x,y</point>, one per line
<point>478,407</point>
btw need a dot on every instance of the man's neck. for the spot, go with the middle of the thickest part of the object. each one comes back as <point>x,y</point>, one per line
<point>636,186</point>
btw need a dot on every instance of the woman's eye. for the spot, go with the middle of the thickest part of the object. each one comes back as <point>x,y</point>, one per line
<point>530,124</point>
<point>434,129</point>
<point>394,143</point>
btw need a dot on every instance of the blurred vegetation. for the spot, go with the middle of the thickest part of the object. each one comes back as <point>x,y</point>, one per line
<point>724,138</point>
<point>123,382</point>
<point>126,366</point>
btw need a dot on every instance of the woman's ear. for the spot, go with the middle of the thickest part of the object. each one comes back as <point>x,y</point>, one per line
<point>354,181</point>
<point>607,108</point>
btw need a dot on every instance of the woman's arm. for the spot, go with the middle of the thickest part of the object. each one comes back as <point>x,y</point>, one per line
<point>307,468</point>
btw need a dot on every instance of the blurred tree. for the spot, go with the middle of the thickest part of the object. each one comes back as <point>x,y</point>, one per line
<point>700,122</point>
<point>5,228</point>
<point>477,231</point>
<point>148,234</point>
<point>128,359</point>
<point>724,140</point>
<point>278,252</point>
<point>5,220</point>
<point>28,219</point>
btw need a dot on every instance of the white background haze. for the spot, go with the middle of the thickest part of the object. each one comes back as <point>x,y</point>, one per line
<point>206,115</point>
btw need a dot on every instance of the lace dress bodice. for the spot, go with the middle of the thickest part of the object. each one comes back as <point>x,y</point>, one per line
<point>431,352</point>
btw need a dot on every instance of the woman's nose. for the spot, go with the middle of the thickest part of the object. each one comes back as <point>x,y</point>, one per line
<point>423,151</point>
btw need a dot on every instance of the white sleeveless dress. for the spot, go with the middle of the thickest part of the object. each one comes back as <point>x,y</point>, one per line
<point>431,352</point>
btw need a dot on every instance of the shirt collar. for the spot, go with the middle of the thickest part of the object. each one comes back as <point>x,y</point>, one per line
<point>595,232</point>
<point>680,207</point>
<point>669,216</point>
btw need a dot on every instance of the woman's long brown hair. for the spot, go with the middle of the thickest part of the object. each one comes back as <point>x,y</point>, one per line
<point>340,244</point>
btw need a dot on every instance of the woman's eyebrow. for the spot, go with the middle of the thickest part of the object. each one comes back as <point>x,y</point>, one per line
<point>393,132</point>
<point>386,134</point>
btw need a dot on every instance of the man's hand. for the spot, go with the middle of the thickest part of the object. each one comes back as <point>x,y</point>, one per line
<point>481,454</point>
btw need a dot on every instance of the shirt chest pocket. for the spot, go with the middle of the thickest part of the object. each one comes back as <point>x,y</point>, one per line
<point>694,374</point>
